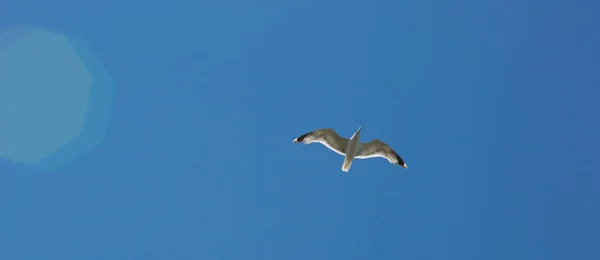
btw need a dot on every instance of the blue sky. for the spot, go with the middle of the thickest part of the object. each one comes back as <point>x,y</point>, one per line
<point>186,152</point>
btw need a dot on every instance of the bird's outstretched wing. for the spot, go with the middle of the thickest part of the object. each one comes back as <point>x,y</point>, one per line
<point>327,137</point>
<point>377,148</point>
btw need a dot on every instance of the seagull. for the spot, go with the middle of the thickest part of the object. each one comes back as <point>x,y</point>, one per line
<point>351,148</point>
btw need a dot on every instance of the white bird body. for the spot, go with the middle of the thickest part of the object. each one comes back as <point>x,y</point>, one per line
<point>351,148</point>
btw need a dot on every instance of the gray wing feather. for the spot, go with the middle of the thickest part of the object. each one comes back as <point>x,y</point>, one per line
<point>377,148</point>
<point>327,137</point>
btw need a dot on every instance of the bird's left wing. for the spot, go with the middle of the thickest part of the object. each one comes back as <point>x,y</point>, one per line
<point>327,137</point>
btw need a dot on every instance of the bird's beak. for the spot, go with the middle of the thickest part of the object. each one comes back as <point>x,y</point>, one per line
<point>359,129</point>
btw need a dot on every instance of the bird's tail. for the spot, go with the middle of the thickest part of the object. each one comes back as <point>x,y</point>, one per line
<point>347,164</point>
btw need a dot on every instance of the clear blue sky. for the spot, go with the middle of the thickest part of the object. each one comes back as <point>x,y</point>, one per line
<point>186,151</point>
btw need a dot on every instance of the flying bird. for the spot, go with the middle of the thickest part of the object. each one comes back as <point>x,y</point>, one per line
<point>351,148</point>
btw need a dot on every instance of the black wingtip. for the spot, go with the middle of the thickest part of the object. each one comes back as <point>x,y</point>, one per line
<point>400,161</point>
<point>301,138</point>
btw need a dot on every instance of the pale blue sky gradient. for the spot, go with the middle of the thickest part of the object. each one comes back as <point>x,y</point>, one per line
<point>492,104</point>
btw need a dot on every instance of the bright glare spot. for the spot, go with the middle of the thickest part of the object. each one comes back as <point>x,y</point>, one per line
<point>44,93</point>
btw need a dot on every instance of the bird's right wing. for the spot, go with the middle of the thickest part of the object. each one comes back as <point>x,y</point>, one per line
<point>377,148</point>
<point>327,137</point>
